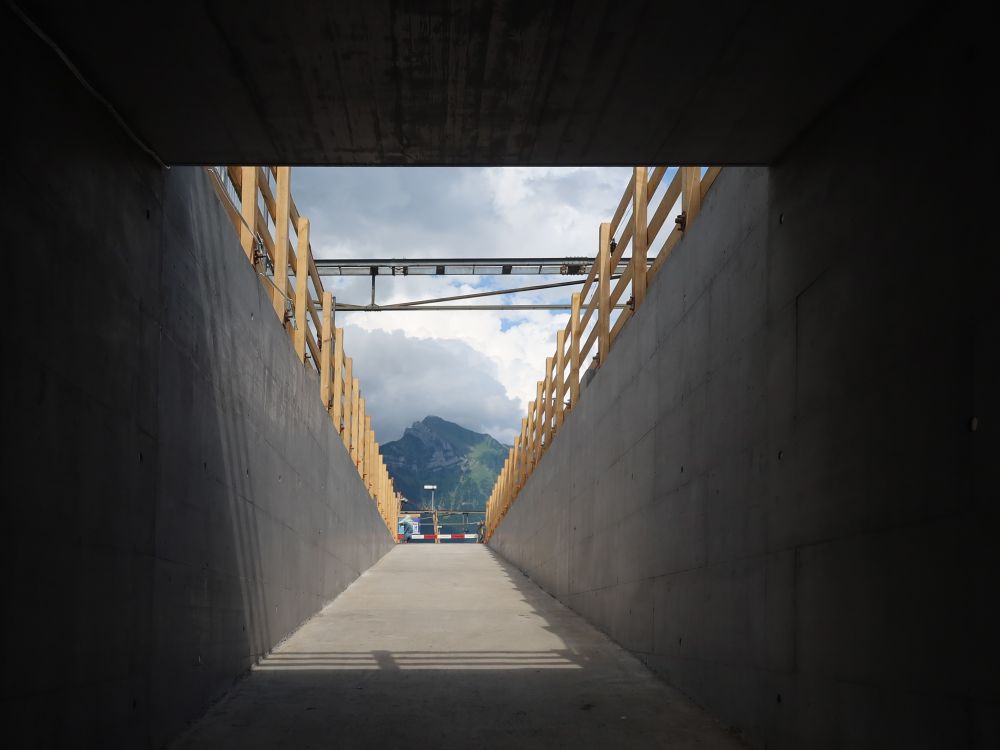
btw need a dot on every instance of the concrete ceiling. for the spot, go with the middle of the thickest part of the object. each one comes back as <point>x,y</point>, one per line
<point>386,82</point>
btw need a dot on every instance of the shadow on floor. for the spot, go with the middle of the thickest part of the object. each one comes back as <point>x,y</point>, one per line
<point>484,659</point>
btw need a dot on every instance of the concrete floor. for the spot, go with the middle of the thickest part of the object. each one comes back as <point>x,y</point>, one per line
<point>448,646</point>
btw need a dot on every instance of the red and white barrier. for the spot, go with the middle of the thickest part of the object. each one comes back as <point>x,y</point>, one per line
<point>440,536</point>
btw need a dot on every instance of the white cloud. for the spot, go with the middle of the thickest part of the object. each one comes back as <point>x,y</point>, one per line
<point>484,364</point>
<point>406,378</point>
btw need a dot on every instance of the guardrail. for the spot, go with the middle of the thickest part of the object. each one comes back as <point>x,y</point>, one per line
<point>260,205</point>
<point>436,525</point>
<point>594,318</point>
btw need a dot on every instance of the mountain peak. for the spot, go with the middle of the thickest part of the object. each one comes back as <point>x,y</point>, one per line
<point>463,464</point>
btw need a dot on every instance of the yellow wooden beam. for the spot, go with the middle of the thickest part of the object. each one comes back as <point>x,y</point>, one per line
<point>326,353</point>
<point>639,224</point>
<point>574,350</point>
<point>302,289</point>
<point>604,293</point>
<point>249,210</point>
<point>690,193</point>
<point>284,189</point>
<point>338,379</point>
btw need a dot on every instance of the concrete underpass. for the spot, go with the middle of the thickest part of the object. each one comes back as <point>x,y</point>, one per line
<point>484,657</point>
<point>768,517</point>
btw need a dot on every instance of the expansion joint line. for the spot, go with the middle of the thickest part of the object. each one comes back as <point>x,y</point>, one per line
<point>50,43</point>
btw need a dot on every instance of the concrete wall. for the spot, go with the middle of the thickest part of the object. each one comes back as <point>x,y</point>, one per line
<point>176,499</point>
<point>772,492</point>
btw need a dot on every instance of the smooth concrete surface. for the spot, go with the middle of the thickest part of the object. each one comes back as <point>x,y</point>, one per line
<point>482,82</point>
<point>446,646</point>
<point>175,497</point>
<point>780,491</point>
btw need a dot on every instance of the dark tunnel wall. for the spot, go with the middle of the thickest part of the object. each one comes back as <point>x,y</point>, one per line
<point>780,491</point>
<point>176,500</point>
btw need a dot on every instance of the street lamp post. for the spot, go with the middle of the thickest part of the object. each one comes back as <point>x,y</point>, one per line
<point>431,487</point>
<point>434,515</point>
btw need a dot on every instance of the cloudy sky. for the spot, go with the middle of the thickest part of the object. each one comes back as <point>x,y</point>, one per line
<point>476,368</point>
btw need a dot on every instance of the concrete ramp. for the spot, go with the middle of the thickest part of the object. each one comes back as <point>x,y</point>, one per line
<point>451,647</point>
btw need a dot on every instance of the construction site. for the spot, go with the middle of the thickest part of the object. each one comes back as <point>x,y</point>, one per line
<point>753,499</point>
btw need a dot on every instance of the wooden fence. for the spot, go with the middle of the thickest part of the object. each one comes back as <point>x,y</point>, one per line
<point>275,238</point>
<point>640,223</point>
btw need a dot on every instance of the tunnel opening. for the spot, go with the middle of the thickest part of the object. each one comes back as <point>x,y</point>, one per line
<point>763,516</point>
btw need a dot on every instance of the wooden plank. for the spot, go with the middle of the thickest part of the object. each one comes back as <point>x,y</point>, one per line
<point>380,479</point>
<point>574,351</point>
<point>302,289</point>
<point>314,274</point>
<point>708,180</point>
<point>619,289</point>
<point>529,444</point>
<point>654,181</point>
<point>523,461</point>
<point>497,495</point>
<point>547,412</point>
<point>369,456</point>
<point>362,436</point>
<point>248,208</point>
<point>690,193</point>
<point>502,484</point>
<point>539,425</point>
<point>514,470</point>
<point>508,476</point>
<point>265,235</point>
<point>588,344</point>
<point>353,434</point>
<point>521,468</point>
<point>667,203</point>
<point>368,461</point>
<point>620,323</point>
<point>590,280</point>
<point>264,185</point>
<point>668,247</point>
<point>271,204</point>
<point>373,458</point>
<point>604,292</point>
<point>326,353</point>
<point>359,434</point>
<point>227,203</point>
<point>281,239</point>
<point>591,309</point>
<point>338,373</point>
<point>373,464</point>
<point>348,401</point>
<point>623,244</point>
<point>293,212</point>
<point>236,175</point>
<point>312,346</point>
<point>311,307</point>
<point>560,380</point>
<point>383,501</point>
<point>639,223</point>
<point>510,482</point>
<point>620,210</point>
<point>523,442</point>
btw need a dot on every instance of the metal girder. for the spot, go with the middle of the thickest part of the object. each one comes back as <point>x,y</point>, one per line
<point>580,266</point>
